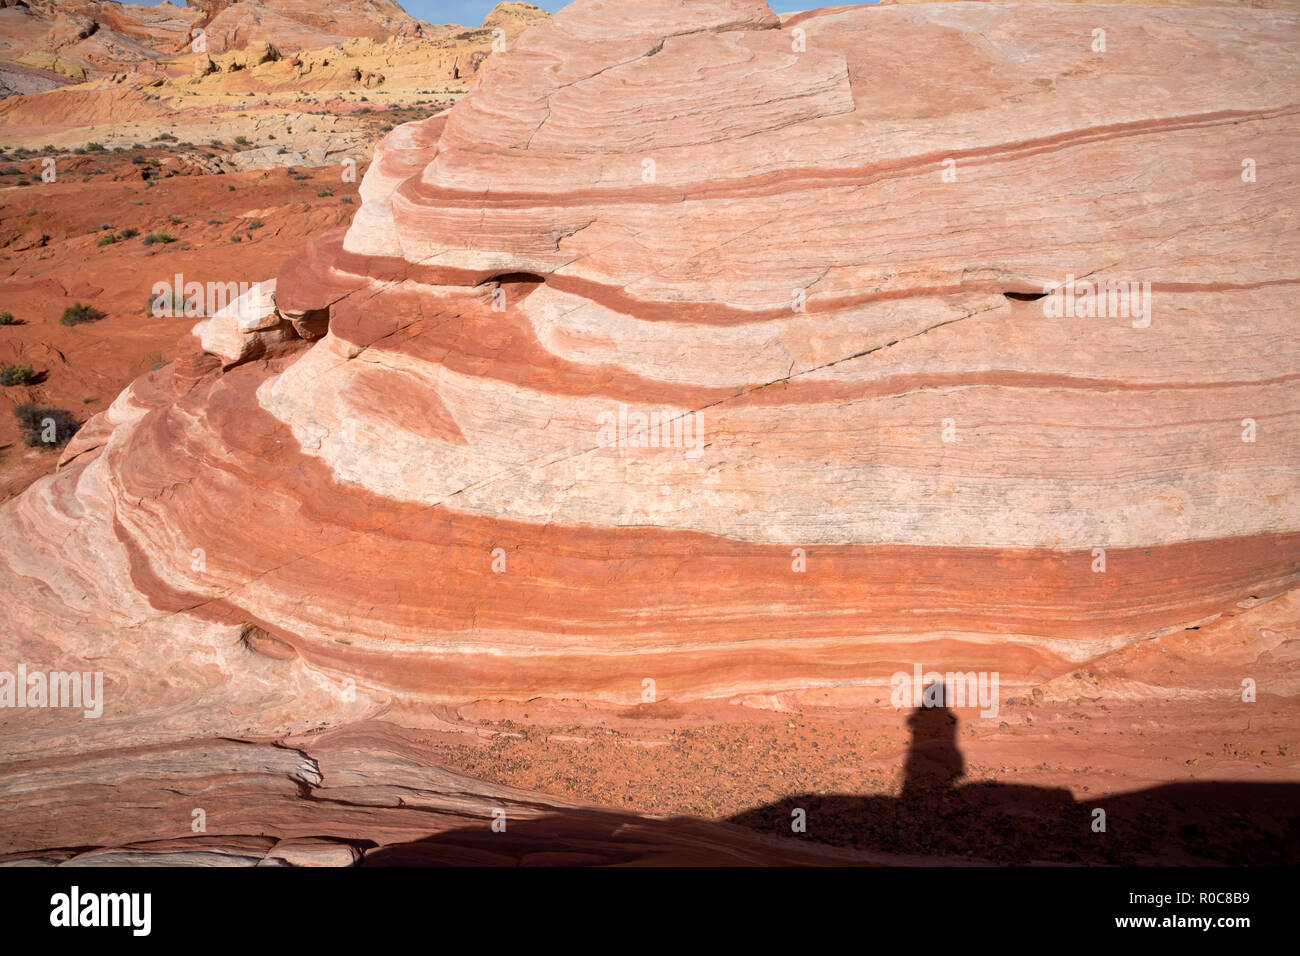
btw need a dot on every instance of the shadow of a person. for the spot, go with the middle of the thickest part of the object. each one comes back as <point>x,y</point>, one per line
<point>934,762</point>
<point>939,816</point>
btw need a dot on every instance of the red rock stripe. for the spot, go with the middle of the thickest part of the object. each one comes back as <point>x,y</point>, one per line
<point>591,608</point>
<point>785,181</point>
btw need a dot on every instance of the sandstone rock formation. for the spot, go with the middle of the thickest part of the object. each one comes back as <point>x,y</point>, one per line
<point>107,34</point>
<point>36,75</point>
<point>514,17</point>
<point>259,78</point>
<point>103,35</point>
<point>743,386</point>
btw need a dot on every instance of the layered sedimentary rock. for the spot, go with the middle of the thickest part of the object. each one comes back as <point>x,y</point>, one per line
<point>745,386</point>
<point>297,25</point>
<point>96,34</point>
<point>108,35</point>
<point>274,68</point>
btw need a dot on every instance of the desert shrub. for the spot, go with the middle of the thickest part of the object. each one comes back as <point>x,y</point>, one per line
<point>107,240</point>
<point>138,160</point>
<point>45,426</point>
<point>16,375</point>
<point>174,220</point>
<point>77,314</point>
<point>255,224</point>
<point>346,200</point>
<point>30,213</point>
<point>169,303</point>
<point>325,192</point>
<point>11,171</point>
<point>7,318</point>
<point>95,147</point>
<point>157,238</point>
<point>130,233</point>
<point>241,140</point>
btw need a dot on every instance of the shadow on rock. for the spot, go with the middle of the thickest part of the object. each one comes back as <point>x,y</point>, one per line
<point>935,818</point>
<point>1235,824</point>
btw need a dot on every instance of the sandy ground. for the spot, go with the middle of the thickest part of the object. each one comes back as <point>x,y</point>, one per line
<point>722,760</point>
<point>229,227</point>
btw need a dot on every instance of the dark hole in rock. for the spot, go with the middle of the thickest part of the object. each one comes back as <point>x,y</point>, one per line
<point>261,642</point>
<point>510,278</point>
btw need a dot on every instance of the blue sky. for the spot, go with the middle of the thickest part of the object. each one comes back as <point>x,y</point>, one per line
<point>470,13</point>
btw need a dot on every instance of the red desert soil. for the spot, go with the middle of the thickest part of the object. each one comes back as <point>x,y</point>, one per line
<point>722,762</point>
<point>237,227</point>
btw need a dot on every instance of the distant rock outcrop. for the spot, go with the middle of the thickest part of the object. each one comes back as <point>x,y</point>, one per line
<point>103,36</point>
<point>514,17</point>
<point>183,84</point>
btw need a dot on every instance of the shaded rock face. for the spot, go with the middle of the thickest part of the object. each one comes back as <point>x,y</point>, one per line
<point>730,389</point>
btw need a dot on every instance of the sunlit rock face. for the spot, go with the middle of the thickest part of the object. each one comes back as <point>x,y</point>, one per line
<point>708,349</point>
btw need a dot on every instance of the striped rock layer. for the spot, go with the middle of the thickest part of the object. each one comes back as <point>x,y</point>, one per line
<point>696,353</point>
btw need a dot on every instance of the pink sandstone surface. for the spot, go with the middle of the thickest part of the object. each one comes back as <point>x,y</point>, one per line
<point>375,496</point>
